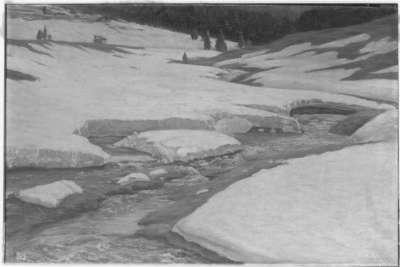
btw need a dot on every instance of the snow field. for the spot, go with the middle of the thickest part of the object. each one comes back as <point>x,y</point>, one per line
<point>78,83</point>
<point>301,66</point>
<point>334,208</point>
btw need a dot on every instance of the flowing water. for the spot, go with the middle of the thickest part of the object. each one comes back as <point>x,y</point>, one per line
<point>107,233</point>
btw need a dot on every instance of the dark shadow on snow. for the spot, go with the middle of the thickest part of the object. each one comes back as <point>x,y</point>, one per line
<point>19,76</point>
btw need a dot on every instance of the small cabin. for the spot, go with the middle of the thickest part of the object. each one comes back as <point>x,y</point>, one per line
<point>98,39</point>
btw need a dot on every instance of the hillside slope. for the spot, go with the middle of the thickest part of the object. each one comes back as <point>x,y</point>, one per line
<point>359,60</point>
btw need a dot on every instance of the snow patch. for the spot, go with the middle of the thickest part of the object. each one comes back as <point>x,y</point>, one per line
<point>233,125</point>
<point>302,68</point>
<point>388,70</point>
<point>382,128</point>
<point>202,191</point>
<point>158,172</point>
<point>70,151</point>
<point>184,145</point>
<point>381,46</point>
<point>346,41</point>
<point>49,195</point>
<point>133,177</point>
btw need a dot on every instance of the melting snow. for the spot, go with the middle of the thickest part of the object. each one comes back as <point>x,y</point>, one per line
<point>80,83</point>
<point>336,208</point>
<point>382,128</point>
<point>180,144</point>
<point>299,67</point>
<point>49,195</point>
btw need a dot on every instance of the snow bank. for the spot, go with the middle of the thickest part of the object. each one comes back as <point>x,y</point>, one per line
<point>382,128</point>
<point>336,208</point>
<point>69,151</point>
<point>182,145</point>
<point>49,195</point>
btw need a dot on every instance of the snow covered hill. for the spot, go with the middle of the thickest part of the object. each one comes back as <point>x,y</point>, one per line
<point>56,88</point>
<point>357,60</point>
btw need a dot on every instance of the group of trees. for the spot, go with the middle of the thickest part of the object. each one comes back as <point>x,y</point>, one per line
<point>322,18</point>
<point>220,44</point>
<point>43,34</point>
<point>236,22</point>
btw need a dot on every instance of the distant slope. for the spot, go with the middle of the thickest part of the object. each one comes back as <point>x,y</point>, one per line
<point>359,60</point>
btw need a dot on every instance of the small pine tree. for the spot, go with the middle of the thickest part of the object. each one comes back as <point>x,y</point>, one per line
<point>220,45</point>
<point>45,33</point>
<point>249,43</point>
<point>207,41</point>
<point>241,42</point>
<point>194,34</point>
<point>39,35</point>
<point>185,58</point>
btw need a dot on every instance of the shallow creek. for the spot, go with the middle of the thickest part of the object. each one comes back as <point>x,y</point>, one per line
<point>108,233</point>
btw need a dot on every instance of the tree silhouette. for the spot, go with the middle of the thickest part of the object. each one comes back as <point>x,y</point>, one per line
<point>220,45</point>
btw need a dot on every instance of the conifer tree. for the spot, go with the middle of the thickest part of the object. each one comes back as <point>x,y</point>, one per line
<point>185,58</point>
<point>241,42</point>
<point>39,35</point>
<point>220,45</point>
<point>207,41</point>
<point>44,32</point>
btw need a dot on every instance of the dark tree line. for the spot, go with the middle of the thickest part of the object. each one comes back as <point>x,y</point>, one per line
<point>235,23</point>
<point>322,18</point>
